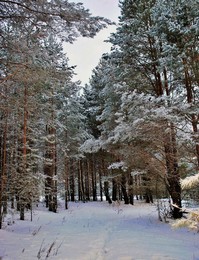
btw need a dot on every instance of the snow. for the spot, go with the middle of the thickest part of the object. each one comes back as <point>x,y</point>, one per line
<point>97,231</point>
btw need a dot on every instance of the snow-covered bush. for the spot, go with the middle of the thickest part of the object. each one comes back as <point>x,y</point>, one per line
<point>191,222</point>
<point>190,182</point>
<point>192,219</point>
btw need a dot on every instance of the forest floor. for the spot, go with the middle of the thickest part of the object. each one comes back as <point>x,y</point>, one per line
<point>96,231</point>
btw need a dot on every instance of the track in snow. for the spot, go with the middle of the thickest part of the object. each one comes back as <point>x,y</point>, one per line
<point>97,231</point>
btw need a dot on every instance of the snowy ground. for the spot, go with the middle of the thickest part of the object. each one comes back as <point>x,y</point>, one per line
<point>97,231</point>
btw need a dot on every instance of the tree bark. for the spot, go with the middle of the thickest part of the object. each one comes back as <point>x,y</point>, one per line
<point>173,176</point>
<point>106,192</point>
<point>50,170</point>
<point>131,191</point>
<point>100,181</point>
<point>124,190</point>
<point>94,178</point>
<point>72,181</point>
<point>114,189</point>
<point>66,183</point>
<point>87,180</point>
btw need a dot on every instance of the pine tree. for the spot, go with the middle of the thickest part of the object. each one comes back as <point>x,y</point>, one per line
<point>176,27</point>
<point>27,71</point>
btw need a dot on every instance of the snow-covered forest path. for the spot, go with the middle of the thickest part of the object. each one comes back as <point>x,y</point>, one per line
<point>97,231</point>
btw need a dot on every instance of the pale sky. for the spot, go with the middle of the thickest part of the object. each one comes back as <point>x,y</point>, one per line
<point>86,52</point>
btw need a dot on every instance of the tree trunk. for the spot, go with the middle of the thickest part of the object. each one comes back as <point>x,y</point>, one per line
<point>24,153</point>
<point>66,183</point>
<point>131,192</point>
<point>123,187</point>
<point>94,178</point>
<point>173,177</point>
<point>100,181</point>
<point>114,189</point>
<point>50,170</point>
<point>72,181</point>
<point>106,192</point>
<point>81,181</point>
<point>87,180</point>
<point>22,209</point>
<point>3,176</point>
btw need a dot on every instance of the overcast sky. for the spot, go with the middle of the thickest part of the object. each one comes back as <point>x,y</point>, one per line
<point>86,52</point>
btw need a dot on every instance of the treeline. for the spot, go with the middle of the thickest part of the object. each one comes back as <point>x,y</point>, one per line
<point>133,131</point>
<point>143,98</point>
<point>39,108</point>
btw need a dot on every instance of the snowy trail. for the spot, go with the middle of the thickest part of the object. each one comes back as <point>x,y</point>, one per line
<point>97,231</point>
